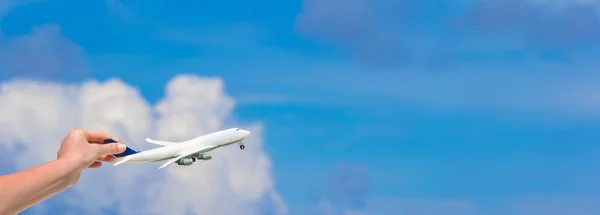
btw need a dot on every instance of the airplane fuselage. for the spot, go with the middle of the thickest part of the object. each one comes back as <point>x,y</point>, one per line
<point>201,144</point>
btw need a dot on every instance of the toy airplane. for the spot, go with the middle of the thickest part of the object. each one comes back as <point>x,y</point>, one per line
<point>182,153</point>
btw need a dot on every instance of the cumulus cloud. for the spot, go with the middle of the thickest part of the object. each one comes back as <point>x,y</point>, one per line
<point>38,114</point>
<point>45,53</point>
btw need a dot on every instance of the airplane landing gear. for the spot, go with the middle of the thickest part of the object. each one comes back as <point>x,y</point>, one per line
<point>241,145</point>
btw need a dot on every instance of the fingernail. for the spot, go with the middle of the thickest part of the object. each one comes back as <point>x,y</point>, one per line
<point>121,147</point>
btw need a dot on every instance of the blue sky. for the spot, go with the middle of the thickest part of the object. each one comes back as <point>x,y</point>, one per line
<point>487,101</point>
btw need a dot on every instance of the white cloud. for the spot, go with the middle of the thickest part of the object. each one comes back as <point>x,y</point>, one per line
<point>38,114</point>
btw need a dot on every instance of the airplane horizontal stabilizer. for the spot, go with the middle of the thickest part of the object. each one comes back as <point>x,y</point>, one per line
<point>127,158</point>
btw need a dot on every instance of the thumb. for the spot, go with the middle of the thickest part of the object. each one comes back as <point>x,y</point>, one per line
<point>109,149</point>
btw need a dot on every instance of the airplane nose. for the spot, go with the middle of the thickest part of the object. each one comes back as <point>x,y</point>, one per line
<point>246,133</point>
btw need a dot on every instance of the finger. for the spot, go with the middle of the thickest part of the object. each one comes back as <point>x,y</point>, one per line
<point>91,135</point>
<point>110,140</point>
<point>96,164</point>
<point>106,158</point>
<point>94,136</point>
<point>118,140</point>
<point>109,149</point>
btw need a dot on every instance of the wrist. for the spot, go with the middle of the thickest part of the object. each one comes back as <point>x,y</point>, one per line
<point>68,165</point>
<point>69,168</point>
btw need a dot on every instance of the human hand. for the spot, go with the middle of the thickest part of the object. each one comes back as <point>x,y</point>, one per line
<point>85,149</point>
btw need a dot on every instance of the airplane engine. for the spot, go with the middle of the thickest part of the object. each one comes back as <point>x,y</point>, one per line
<point>186,161</point>
<point>201,156</point>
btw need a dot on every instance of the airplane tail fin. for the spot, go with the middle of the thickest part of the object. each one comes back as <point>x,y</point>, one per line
<point>128,151</point>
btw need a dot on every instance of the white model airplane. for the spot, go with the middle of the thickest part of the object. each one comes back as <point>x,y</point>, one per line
<point>183,153</point>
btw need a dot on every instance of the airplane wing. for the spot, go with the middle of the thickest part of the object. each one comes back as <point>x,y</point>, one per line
<point>158,142</point>
<point>173,160</point>
<point>185,154</point>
